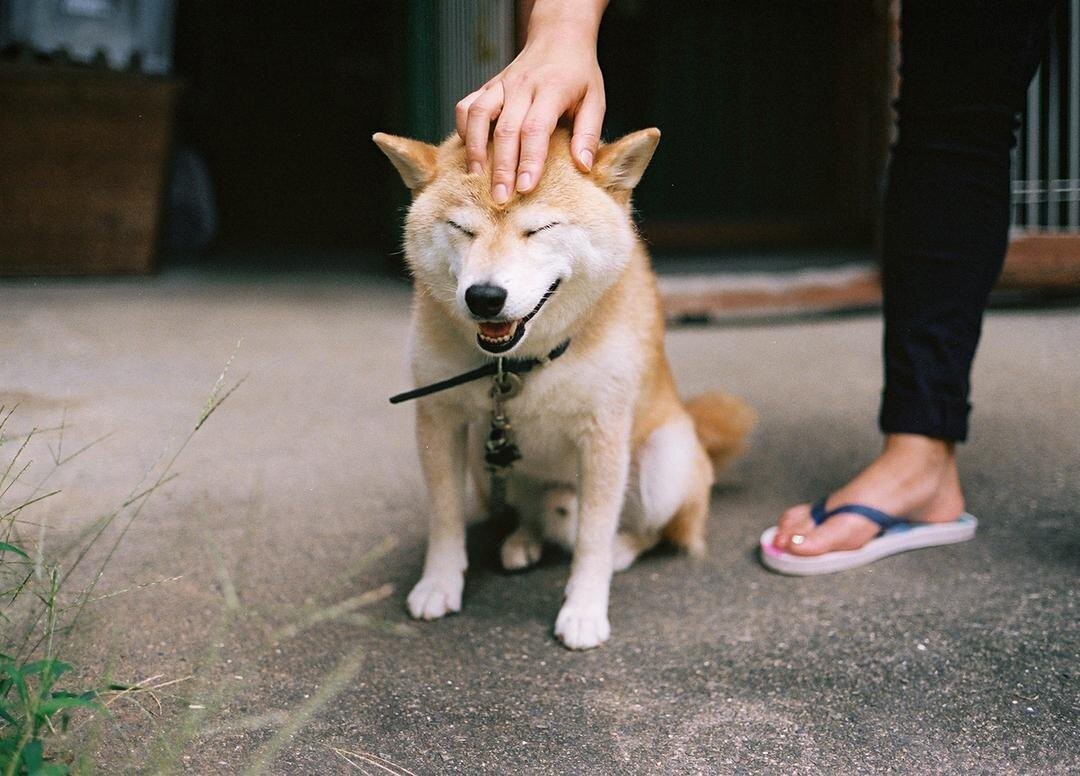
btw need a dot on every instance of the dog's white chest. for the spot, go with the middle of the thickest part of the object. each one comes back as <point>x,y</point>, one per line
<point>548,453</point>
<point>544,419</point>
<point>544,439</point>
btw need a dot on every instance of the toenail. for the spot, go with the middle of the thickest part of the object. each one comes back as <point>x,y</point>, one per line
<point>798,539</point>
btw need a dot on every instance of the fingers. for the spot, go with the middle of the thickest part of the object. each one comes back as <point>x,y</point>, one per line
<point>525,116</point>
<point>536,132</point>
<point>587,124</point>
<point>506,145</point>
<point>481,111</point>
<point>524,124</point>
<point>461,111</point>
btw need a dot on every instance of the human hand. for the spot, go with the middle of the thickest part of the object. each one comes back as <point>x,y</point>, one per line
<point>555,75</point>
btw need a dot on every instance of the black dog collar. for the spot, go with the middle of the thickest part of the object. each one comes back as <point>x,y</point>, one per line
<point>517,366</point>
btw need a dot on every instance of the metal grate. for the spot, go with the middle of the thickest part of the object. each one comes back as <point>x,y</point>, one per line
<point>1046,166</point>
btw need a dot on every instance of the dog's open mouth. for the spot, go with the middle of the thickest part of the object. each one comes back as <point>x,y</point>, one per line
<point>500,336</point>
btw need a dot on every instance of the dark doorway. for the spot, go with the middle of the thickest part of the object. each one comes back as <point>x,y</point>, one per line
<point>282,99</point>
<point>774,118</point>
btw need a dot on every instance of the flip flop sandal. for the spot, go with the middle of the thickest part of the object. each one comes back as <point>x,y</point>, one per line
<point>896,535</point>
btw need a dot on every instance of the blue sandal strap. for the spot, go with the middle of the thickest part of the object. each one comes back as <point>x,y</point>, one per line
<point>883,520</point>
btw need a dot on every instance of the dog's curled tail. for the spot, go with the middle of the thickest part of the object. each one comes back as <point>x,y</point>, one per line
<point>722,423</point>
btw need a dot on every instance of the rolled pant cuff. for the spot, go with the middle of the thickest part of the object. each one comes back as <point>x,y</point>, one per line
<point>925,415</point>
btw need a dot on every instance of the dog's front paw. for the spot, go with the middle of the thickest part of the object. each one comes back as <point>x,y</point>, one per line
<point>582,627</point>
<point>520,550</point>
<point>436,595</point>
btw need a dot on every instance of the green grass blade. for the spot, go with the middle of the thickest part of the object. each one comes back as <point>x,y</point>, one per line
<point>5,547</point>
<point>55,668</point>
<point>53,705</point>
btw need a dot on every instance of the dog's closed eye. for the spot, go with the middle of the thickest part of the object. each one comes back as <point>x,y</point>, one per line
<point>460,228</point>
<point>531,232</point>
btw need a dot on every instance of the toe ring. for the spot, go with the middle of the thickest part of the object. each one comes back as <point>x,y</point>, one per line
<point>798,539</point>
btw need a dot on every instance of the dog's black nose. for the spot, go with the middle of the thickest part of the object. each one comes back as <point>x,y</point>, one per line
<point>485,301</point>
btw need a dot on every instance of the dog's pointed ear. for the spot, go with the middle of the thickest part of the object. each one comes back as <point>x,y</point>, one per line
<point>414,160</point>
<point>620,165</point>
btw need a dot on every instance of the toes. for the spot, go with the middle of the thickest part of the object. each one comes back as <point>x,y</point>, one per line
<point>843,532</point>
<point>812,543</point>
<point>433,598</point>
<point>582,628</point>
<point>794,521</point>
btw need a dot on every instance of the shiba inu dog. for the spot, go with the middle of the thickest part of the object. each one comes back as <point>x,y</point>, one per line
<point>612,461</point>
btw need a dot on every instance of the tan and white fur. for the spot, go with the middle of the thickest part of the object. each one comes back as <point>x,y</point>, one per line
<point>613,461</point>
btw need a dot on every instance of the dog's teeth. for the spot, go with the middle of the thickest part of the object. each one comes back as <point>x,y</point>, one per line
<point>503,339</point>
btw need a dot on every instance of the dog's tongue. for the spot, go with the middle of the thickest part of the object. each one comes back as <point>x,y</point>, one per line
<point>496,330</point>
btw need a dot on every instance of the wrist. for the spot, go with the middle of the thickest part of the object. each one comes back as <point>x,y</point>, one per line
<point>566,20</point>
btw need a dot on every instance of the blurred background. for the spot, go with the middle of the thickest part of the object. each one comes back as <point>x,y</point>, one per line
<point>145,135</point>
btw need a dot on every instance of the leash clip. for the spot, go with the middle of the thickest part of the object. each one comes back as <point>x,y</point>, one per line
<point>506,385</point>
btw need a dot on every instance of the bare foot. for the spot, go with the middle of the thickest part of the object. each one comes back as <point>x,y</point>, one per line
<point>915,477</point>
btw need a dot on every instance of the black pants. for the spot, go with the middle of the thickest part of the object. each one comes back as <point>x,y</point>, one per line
<point>965,68</point>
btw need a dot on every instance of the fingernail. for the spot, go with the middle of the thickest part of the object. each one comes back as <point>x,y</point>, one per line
<point>586,158</point>
<point>475,168</point>
<point>524,180</point>
<point>499,194</point>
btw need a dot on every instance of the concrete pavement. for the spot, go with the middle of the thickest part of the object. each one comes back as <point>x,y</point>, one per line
<point>269,577</point>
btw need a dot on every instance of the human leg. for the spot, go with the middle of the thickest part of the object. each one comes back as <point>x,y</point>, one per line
<point>965,68</point>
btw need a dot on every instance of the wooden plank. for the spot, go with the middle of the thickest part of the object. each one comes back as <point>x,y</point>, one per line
<point>1048,262</point>
<point>1035,262</point>
<point>720,295</point>
<point>83,156</point>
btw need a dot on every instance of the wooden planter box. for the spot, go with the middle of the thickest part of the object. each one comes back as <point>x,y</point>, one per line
<point>83,156</point>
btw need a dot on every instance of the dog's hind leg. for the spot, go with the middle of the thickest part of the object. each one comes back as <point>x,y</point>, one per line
<point>629,545</point>
<point>686,528</point>
<point>668,498</point>
<point>673,481</point>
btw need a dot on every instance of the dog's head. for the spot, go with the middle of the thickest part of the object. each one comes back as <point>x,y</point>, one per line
<point>523,274</point>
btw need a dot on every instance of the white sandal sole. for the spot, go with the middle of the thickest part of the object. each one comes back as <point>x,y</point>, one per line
<point>909,536</point>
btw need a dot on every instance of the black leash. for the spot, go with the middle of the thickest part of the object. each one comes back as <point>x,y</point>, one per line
<point>517,366</point>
